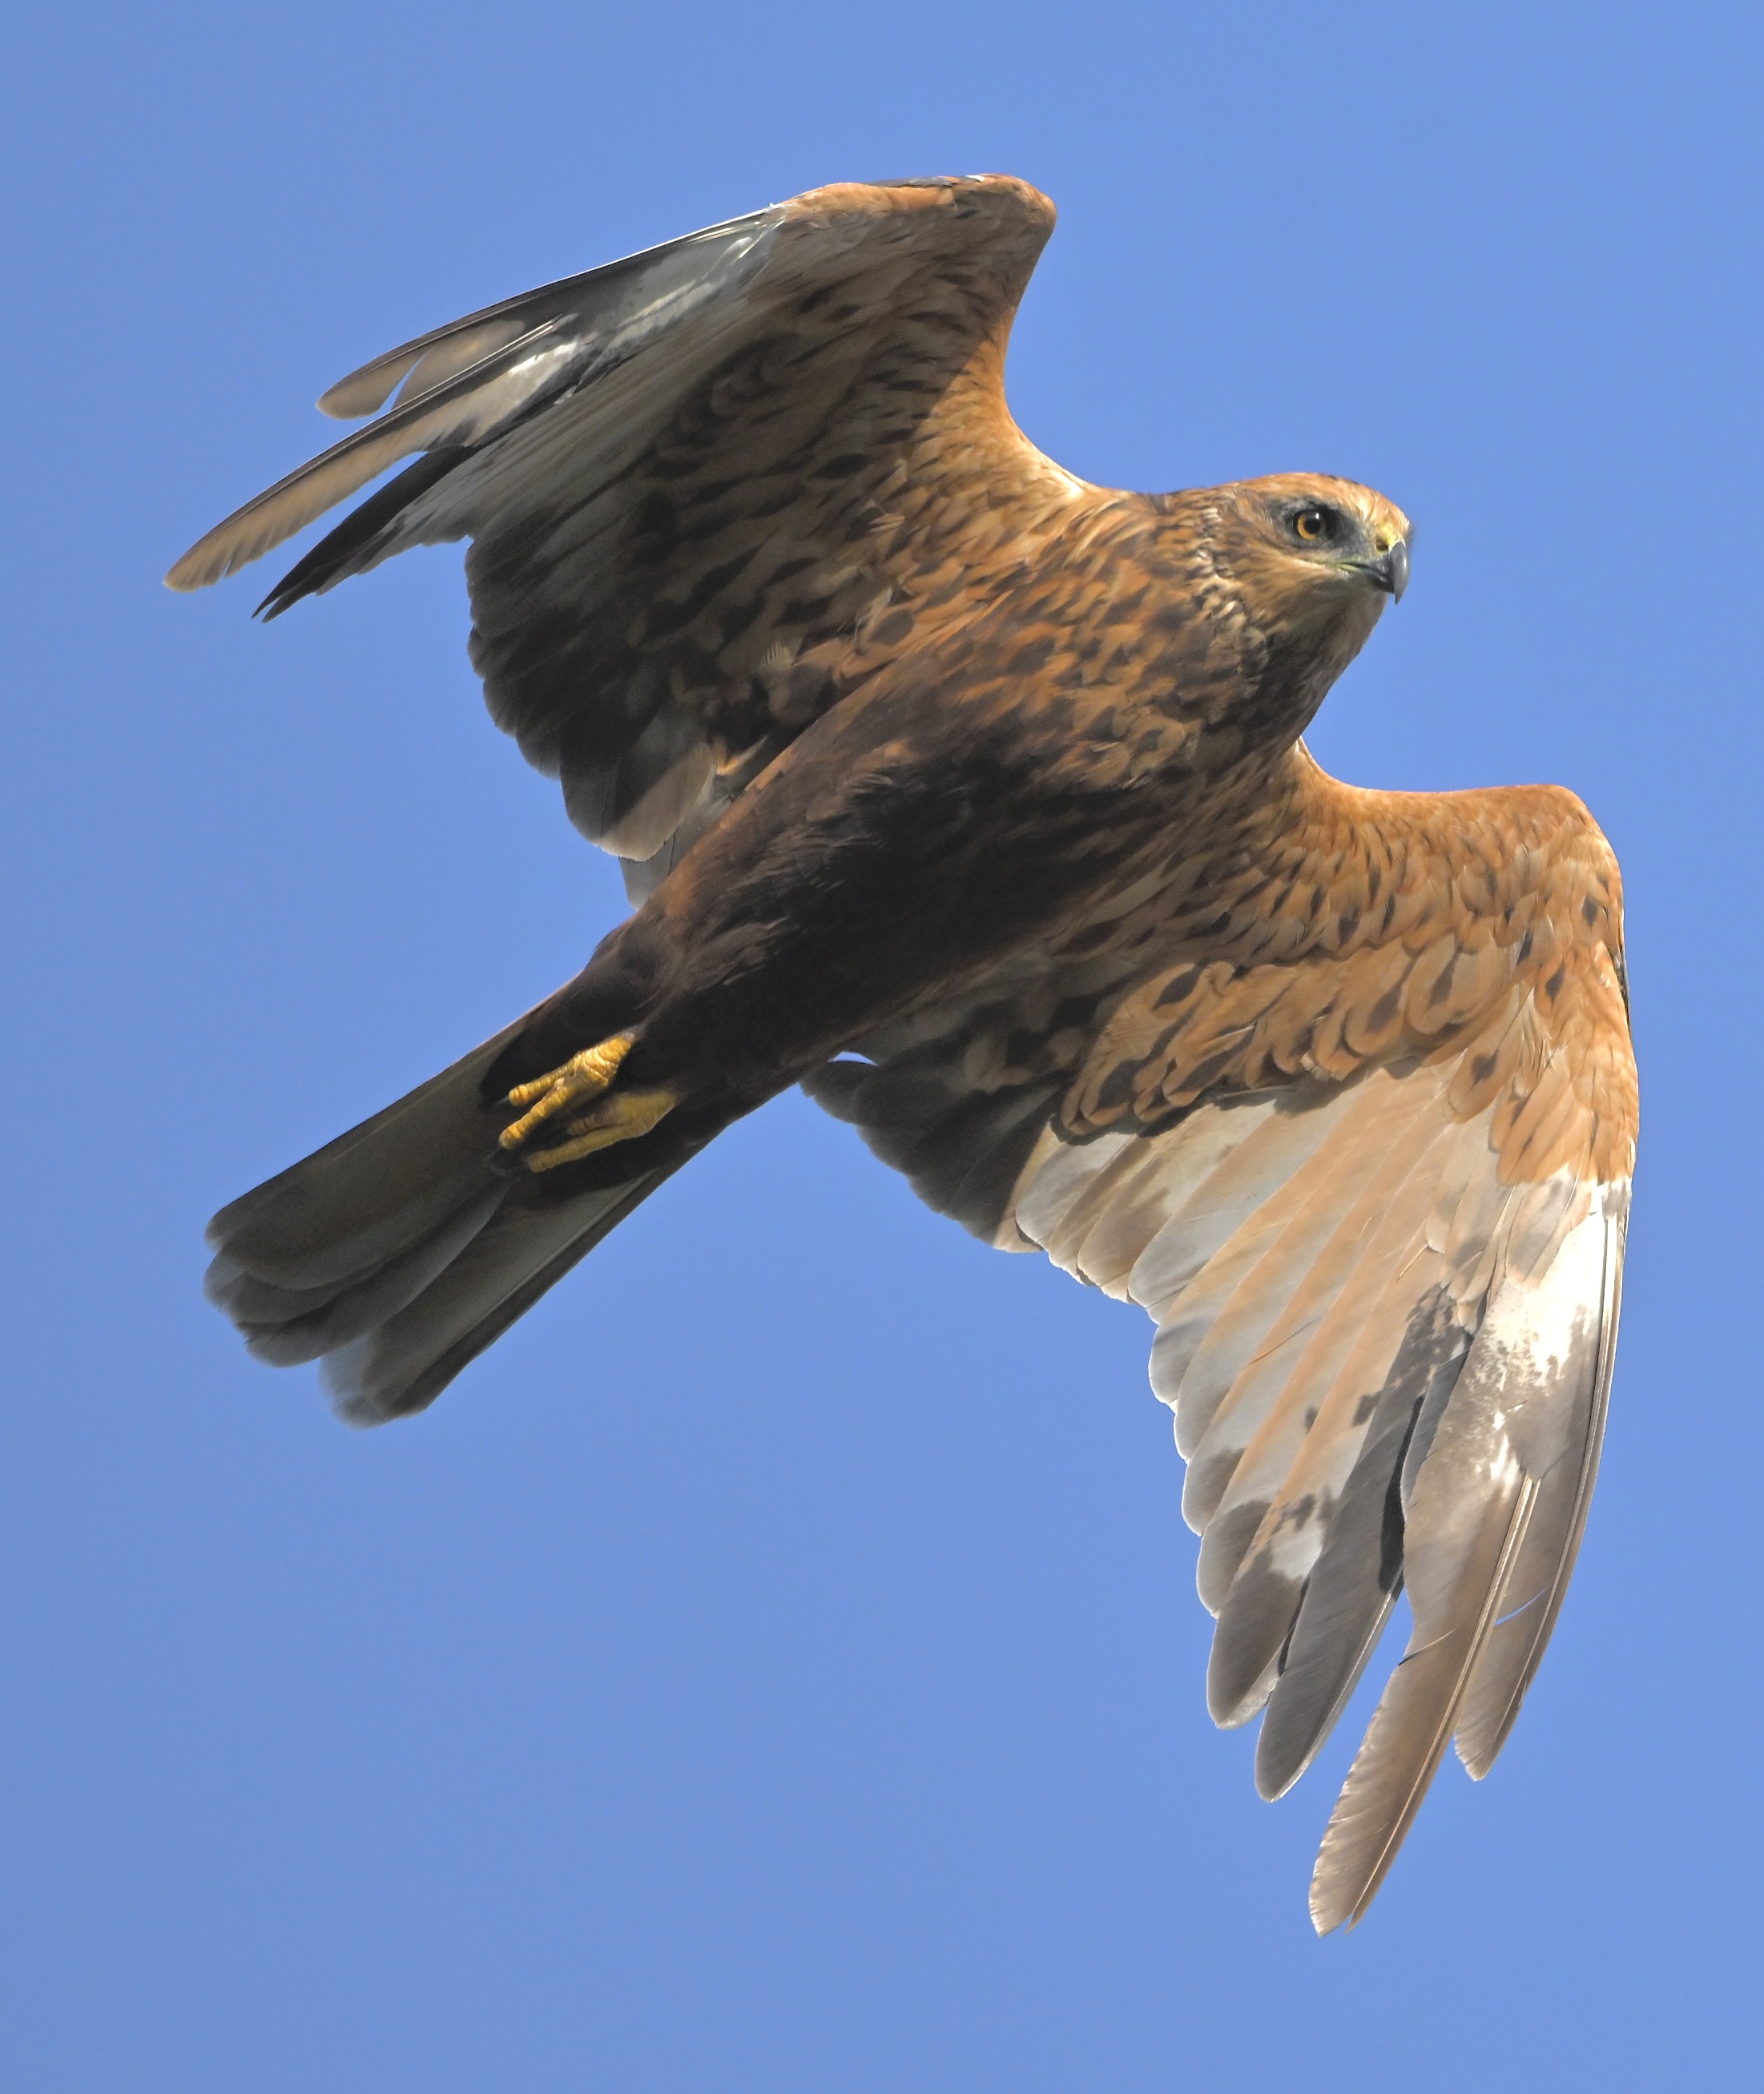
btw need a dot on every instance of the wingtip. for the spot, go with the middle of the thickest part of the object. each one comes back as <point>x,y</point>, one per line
<point>1327,1915</point>
<point>1341,1894</point>
<point>361,393</point>
<point>205,564</point>
<point>185,576</point>
<point>1323,1926</point>
<point>365,390</point>
<point>1478,1760</point>
<point>214,556</point>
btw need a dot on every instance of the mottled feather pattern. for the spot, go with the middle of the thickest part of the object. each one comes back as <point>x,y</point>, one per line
<point>974,799</point>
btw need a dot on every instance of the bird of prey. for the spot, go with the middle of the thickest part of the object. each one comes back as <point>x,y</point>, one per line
<point>972,798</point>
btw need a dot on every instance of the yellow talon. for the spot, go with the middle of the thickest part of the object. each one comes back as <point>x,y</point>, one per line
<point>622,1118</point>
<point>584,1076</point>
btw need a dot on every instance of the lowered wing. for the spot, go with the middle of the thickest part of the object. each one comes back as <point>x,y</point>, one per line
<point>1362,1147</point>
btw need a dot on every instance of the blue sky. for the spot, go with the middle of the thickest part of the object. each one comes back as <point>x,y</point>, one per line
<point>776,1665</point>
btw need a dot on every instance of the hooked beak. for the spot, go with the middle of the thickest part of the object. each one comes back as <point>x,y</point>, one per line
<point>1390,571</point>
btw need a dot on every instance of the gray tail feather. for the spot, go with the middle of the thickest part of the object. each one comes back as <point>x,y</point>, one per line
<point>399,1251</point>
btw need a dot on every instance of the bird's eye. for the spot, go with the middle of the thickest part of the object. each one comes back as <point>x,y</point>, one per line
<point>1314,524</point>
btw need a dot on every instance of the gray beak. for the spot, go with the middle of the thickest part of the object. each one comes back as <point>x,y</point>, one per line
<point>1391,572</point>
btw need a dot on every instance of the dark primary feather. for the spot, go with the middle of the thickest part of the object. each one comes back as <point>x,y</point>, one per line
<point>349,548</point>
<point>710,489</point>
<point>602,303</point>
<point>1348,1596</point>
<point>469,381</point>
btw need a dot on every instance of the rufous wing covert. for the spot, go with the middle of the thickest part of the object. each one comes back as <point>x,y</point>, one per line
<point>973,798</point>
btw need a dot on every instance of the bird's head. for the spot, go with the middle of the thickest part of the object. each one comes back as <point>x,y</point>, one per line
<point>1299,565</point>
<point>1313,549</point>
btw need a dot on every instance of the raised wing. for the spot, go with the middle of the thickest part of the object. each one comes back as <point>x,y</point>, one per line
<point>710,488</point>
<point>1360,1141</point>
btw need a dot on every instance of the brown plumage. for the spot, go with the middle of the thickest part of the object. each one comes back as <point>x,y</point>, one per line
<point>971,798</point>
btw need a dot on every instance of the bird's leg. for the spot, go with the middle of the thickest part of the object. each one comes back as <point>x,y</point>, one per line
<point>589,1076</point>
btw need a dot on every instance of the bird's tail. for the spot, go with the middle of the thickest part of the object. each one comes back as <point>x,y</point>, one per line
<point>401,1249</point>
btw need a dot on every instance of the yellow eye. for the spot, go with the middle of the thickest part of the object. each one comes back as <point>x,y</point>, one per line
<point>1312,523</point>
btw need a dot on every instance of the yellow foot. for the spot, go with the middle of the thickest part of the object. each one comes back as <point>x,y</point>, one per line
<point>583,1077</point>
<point>621,1117</point>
